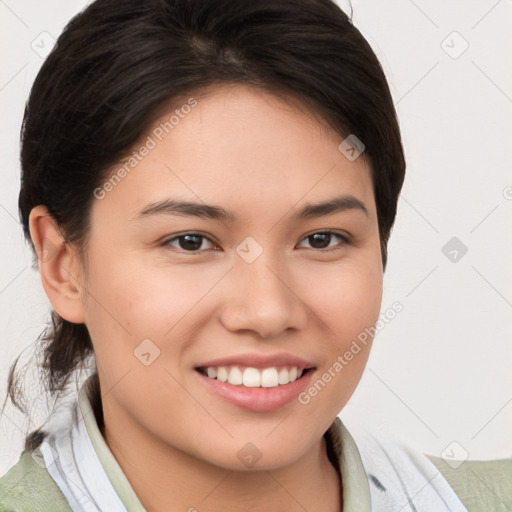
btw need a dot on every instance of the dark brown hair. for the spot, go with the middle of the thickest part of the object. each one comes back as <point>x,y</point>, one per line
<point>119,61</point>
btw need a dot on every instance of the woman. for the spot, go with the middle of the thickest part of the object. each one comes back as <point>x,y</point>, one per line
<point>209,187</point>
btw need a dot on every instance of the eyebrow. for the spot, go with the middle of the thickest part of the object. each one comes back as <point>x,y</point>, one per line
<point>192,209</point>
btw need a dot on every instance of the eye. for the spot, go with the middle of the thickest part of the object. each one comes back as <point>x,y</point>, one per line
<point>189,242</point>
<point>193,242</point>
<point>321,239</point>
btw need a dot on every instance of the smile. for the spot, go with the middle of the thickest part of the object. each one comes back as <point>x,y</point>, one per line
<point>255,389</point>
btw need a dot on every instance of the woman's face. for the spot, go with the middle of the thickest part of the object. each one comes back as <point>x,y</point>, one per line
<point>249,288</point>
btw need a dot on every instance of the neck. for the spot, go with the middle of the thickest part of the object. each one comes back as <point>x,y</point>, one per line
<point>165,478</point>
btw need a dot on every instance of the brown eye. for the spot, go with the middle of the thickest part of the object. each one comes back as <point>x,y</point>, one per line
<point>188,242</point>
<point>322,239</point>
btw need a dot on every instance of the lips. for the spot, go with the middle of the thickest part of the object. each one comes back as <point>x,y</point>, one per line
<point>283,377</point>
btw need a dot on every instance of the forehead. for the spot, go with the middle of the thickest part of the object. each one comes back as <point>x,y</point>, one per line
<point>241,146</point>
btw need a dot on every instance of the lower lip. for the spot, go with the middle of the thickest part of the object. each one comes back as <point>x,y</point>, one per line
<point>257,399</point>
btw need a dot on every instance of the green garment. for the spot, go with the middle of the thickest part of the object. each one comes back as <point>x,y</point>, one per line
<point>481,485</point>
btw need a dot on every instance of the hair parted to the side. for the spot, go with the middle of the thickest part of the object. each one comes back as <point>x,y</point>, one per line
<point>118,62</point>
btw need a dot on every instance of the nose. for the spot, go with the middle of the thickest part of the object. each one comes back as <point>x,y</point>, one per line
<point>264,299</point>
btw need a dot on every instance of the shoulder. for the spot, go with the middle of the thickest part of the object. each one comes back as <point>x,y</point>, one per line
<point>28,487</point>
<point>480,484</point>
<point>401,475</point>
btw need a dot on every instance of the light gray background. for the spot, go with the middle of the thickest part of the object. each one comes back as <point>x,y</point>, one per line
<point>439,374</point>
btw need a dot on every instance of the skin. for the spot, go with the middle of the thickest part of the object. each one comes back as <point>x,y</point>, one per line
<point>263,158</point>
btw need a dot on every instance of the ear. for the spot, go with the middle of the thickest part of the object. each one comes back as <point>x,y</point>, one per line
<point>59,266</point>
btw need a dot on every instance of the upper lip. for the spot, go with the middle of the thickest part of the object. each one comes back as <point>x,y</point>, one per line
<point>255,360</point>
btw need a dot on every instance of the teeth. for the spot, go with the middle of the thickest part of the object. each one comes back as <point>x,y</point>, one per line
<point>283,377</point>
<point>253,377</point>
<point>222,374</point>
<point>235,376</point>
<point>269,378</point>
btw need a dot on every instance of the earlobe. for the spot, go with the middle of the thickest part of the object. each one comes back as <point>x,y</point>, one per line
<point>59,266</point>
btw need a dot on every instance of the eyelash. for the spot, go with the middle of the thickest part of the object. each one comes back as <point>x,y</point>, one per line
<point>343,238</point>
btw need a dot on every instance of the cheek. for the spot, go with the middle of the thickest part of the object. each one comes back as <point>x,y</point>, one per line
<point>131,302</point>
<point>137,299</point>
<point>348,305</point>
<point>348,298</point>
<point>134,310</point>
